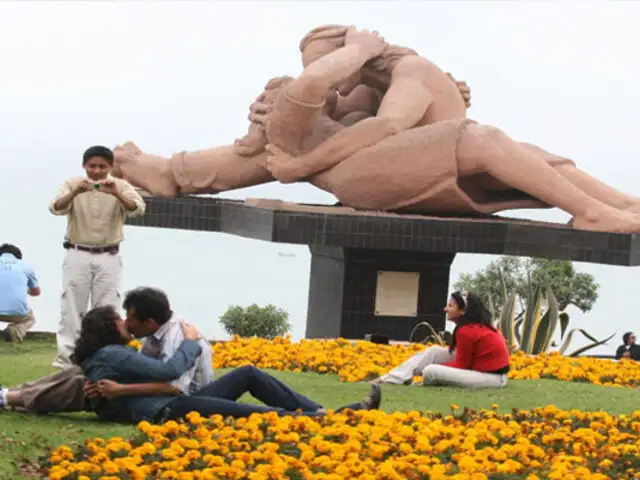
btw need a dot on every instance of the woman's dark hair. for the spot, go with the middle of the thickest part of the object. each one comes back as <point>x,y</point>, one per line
<point>98,151</point>
<point>10,249</point>
<point>626,337</point>
<point>98,330</point>
<point>459,299</point>
<point>149,304</point>
<point>474,312</point>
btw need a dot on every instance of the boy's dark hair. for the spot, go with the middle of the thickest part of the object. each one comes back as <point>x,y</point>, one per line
<point>149,304</point>
<point>98,151</point>
<point>11,249</point>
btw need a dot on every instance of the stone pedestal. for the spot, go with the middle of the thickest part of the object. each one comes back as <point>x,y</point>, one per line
<point>349,295</point>
<point>350,248</point>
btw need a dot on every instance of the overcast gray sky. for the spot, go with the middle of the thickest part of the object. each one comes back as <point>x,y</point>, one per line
<point>180,76</point>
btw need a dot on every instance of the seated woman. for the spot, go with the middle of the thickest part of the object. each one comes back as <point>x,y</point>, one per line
<point>102,353</point>
<point>629,348</point>
<point>477,358</point>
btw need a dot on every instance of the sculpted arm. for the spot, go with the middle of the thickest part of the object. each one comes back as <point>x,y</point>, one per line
<point>402,107</point>
<point>331,70</point>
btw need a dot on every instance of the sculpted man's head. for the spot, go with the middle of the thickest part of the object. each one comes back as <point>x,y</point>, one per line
<point>323,40</point>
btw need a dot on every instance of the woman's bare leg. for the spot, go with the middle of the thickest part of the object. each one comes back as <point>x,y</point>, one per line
<point>487,149</point>
<point>585,182</point>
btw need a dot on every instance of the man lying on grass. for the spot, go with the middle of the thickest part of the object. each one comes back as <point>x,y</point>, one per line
<point>102,353</point>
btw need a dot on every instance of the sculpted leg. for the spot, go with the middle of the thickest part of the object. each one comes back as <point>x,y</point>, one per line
<point>585,182</point>
<point>203,171</point>
<point>487,149</point>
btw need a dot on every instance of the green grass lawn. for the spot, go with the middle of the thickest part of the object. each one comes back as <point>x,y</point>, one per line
<point>25,437</point>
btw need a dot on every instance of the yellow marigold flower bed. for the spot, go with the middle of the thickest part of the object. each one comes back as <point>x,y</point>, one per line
<point>354,361</point>
<point>547,443</point>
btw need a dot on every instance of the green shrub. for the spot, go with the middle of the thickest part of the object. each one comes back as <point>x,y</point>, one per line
<point>255,321</point>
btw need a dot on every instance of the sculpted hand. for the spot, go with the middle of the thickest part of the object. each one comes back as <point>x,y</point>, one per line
<point>258,112</point>
<point>282,166</point>
<point>109,388</point>
<point>255,140</point>
<point>463,88</point>
<point>371,42</point>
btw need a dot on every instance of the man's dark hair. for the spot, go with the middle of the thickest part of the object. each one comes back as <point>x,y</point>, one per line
<point>98,330</point>
<point>149,304</point>
<point>11,249</point>
<point>98,151</point>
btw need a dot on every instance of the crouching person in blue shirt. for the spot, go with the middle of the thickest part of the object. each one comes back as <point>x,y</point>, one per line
<point>102,353</point>
<point>17,280</point>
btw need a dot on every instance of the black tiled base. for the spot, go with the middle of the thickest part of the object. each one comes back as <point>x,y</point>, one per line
<point>348,249</point>
<point>342,291</point>
<point>332,228</point>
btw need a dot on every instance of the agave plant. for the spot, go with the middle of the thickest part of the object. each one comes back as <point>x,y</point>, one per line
<point>531,331</point>
<point>441,338</point>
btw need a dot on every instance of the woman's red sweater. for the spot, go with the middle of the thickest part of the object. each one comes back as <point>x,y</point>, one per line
<point>480,348</point>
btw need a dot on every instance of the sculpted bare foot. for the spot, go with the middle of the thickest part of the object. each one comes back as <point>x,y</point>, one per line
<point>149,172</point>
<point>124,154</point>
<point>609,220</point>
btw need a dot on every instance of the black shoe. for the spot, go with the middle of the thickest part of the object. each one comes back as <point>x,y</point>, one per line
<point>373,400</point>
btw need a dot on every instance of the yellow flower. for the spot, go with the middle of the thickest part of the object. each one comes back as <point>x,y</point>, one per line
<point>547,442</point>
<point>354,361</point>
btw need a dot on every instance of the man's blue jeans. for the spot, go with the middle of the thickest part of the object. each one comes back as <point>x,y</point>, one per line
<point>219,397</point>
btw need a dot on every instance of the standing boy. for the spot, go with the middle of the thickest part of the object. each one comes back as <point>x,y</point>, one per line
<point>96,207</point>
<point>17,280</point>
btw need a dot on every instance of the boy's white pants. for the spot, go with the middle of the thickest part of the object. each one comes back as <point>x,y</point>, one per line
<point>85,276</point>
<point>429,364</point>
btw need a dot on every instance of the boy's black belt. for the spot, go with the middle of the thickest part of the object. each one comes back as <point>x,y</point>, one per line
<point>112,249</point>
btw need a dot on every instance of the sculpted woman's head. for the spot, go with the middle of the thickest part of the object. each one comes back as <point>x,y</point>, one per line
<point>254,142</point>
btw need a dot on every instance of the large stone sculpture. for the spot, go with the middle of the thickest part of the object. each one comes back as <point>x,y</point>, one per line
<point>396,138</point>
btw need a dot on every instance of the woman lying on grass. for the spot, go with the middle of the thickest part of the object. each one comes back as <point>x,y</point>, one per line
<point>477,358</point>
<point>102,353</point>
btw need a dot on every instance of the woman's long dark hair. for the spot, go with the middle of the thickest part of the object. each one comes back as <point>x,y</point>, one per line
<point>474,312</point>
<point>99,329</point>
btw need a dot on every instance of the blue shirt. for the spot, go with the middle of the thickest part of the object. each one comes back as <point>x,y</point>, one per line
<point>125,365</point>
<point>16,277</point>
